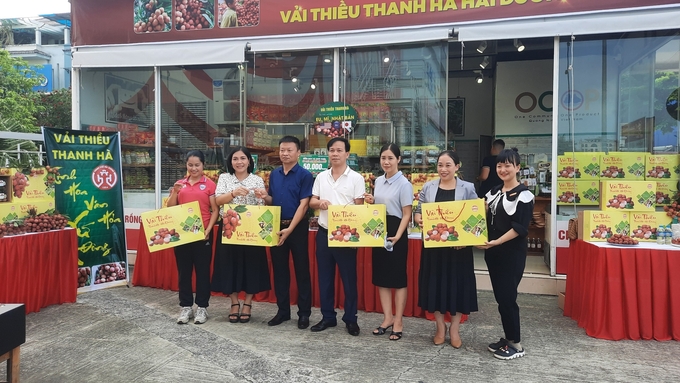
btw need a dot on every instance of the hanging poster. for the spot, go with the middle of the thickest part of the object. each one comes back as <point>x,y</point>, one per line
<point>252,225</point>
<point>173,226</point>
<point>356,225</point>
<point>88,189</point>
<point>455,223</point>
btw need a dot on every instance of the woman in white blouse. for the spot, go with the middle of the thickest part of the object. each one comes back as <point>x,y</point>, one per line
<point>237,267</point>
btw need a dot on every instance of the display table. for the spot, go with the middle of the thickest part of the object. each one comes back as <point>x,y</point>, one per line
<point>624,292</point>
<point>159,270</point>
<point>39,269</point>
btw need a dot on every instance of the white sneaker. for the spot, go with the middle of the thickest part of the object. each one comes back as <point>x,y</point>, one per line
<point>201,315</point>
<point>186,314</point>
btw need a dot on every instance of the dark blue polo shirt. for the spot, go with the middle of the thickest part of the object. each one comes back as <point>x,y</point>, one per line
<point>288,189</point>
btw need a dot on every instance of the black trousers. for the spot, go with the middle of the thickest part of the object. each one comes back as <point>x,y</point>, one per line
<point>189,257</point>
<point>506,268</point>
<point>346,260</point>
<point>296,244</point>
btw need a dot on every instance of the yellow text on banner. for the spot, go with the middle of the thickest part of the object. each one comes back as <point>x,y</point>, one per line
<point>251,225</point>
<point>173,226</point>
<point>356,225</point>
<point>455,223</point>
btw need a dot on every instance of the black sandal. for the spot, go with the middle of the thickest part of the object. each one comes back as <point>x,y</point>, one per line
<point>381,330</point>
<point>234,317</point>
<point>245,318</point>
<point>397,334</point>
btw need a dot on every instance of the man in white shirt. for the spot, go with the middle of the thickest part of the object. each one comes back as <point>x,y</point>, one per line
<point>338,185</point>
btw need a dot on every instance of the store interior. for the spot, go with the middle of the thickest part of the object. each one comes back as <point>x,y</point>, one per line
<point>616,94</point>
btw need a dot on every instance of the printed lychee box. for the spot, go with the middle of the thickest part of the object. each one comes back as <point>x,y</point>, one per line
<point>597,225</point>
<point>579,165</point>
<point>19,210</point>
<point>628,165</point>
<point>578,192</point>
<point>665,190</point>
<point>628,195</point>
<point>662,166</point>
<point>454,223</point>
<point>34,185</point>
<point>643,224</point>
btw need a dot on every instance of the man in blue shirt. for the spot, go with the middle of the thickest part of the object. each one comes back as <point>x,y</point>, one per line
<point>290,187</point>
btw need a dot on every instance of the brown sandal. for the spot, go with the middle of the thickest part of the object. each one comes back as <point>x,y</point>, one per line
<point>234,317</point>
<point>245,318</point>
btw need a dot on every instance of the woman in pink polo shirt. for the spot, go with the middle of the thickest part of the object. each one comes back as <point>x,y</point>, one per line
<point>195,255</point>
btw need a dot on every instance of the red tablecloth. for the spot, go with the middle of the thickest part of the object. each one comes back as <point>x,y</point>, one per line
<point>39,269</point>
<point>624,293</point>
<point>159,270</point>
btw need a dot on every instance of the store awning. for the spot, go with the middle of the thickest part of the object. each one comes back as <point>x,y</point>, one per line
<point>176,53</point>
<point>652,18</point>
<point>350,39</point>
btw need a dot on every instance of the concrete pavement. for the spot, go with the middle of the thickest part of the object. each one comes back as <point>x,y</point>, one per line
<point>130,335</point>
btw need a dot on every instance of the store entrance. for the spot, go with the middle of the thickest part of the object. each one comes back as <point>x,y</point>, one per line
<point>492,85</point>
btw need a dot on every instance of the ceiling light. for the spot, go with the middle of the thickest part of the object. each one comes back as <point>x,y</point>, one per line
<point>296,88</point>
<point>313,84</point>
<point>293,77</point>
<point>327,59</point>
<point>386,59</point>
<point>482,47</point>
<point>519,45</point>
<point>480,78</point>
<point>484,62</point>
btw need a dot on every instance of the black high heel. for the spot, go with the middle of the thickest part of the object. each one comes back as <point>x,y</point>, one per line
<point>234,317</point>
<point>381,330</point>
<point>245,318</point>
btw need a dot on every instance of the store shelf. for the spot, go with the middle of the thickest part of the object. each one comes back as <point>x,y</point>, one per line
<point>137,145</point>
<point>138,187</point>
<point>138,165</point>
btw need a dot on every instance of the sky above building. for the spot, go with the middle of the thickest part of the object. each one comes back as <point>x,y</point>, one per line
<point>33,8</point>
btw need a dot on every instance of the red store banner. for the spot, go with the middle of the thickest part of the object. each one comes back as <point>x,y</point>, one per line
<point>137,21</point>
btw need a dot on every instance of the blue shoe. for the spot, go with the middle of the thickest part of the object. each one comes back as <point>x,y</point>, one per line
<point>508,352</point>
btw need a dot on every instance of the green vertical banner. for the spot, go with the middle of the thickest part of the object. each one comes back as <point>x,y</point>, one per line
<point>89,191</point>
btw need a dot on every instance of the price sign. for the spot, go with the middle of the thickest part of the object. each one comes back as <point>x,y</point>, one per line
<point>314,163</point>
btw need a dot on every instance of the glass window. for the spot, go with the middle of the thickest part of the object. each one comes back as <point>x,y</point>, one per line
<point>622,93</point>
<point>399,93</point>
<point>122,100</point>
<point>284,91</point>
<point>200,109</point>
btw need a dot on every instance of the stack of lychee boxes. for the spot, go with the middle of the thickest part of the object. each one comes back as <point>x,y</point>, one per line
<point>630,195</point>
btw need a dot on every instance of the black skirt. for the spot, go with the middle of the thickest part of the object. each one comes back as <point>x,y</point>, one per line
<point>446,281</point>
<point>240,268</point>
<point>389,267</point>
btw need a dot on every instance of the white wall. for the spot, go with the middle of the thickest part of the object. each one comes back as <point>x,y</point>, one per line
<point>478,105</point>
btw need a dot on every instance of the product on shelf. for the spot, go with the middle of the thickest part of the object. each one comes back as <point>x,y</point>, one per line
<point>630,195</point>
<point>597,226</point>
<point>628,165</point>
<point>662,166</point>
<point>579,165</point>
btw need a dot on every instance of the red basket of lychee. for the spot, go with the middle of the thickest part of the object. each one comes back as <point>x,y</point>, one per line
<point>620,239</point>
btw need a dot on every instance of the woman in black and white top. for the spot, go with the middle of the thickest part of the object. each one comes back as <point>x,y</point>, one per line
<point>238,267</point>
<point>510,207</point>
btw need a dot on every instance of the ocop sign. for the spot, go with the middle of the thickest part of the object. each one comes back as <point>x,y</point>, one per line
<point>526,102</point>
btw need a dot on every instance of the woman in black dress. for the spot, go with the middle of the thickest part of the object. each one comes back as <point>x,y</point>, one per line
<point>239,267</point>
<point>446,280</point>
<point>510,207</point>
<point>389,267</point>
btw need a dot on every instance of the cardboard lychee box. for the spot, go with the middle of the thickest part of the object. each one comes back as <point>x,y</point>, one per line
<point>627,165</point>
<point>597,225</point>
<point>665,190</point>
<point>578,192</point>
<point>662,166</point>
<point>643,224</point>
<point>578,166</point>
<point>628,195</point>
